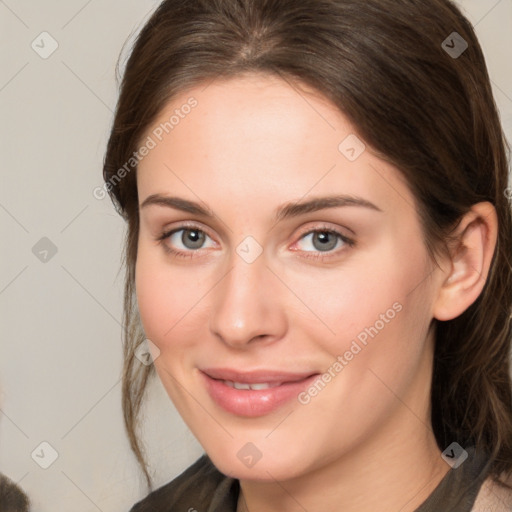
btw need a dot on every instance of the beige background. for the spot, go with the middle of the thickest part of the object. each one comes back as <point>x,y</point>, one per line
<point>60,348</point>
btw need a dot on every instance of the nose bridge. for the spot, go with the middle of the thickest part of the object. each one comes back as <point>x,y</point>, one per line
<point>246,302</point>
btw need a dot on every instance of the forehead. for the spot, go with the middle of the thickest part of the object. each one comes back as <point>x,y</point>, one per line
<point>251,109</point>
<point>259,134</point>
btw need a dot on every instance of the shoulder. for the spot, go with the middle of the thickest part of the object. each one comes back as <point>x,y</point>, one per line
<point>493,497</point>
<point>196,488</point>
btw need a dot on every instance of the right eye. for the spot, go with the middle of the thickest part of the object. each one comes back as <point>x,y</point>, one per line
<point>185,240</point>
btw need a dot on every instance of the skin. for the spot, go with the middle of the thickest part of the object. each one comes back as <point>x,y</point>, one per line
<point>252,144</point>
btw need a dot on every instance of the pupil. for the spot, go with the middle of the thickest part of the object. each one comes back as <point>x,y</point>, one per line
<point>192,238</point>
<point>324,242</point>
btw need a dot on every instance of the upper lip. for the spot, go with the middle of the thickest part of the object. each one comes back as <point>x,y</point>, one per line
<point>255,376</point>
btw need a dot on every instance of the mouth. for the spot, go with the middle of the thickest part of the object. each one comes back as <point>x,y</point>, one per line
<point>254,393</point>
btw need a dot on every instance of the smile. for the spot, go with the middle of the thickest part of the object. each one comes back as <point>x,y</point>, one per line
<point>253,393</point>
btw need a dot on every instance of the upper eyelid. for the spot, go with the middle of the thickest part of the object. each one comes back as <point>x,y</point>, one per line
<point>303,231</point>
<point>323,227</point>
<point>185,225</point>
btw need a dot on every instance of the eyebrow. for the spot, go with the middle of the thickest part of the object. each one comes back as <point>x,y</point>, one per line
<point>288,210</point>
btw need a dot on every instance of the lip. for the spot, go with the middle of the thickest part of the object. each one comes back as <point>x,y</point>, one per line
<point>254,403</point>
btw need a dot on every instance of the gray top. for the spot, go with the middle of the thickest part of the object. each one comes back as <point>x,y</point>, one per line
<point>203,488</point>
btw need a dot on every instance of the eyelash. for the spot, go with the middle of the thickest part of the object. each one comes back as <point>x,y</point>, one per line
<point>315,255</point>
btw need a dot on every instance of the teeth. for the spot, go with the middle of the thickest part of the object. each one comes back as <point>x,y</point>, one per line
<point>260,386</point>
<point>238,385</point>
<point>255,386</point>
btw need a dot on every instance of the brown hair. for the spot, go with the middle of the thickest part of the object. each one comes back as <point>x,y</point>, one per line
<point>425,110</point>
<point>12,498</point>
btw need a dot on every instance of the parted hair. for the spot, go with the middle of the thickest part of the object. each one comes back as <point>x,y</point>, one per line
<point>429,112</point>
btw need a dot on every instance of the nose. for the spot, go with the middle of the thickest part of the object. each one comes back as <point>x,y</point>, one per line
<point>247,305</point>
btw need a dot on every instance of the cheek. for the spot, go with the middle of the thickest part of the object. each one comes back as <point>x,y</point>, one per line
<point>378,311</point>
<point>366,293</point>
<point>162,296</point>
<point>172,301</point>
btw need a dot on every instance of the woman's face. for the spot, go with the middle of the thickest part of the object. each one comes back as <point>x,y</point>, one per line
<point>276,251</point>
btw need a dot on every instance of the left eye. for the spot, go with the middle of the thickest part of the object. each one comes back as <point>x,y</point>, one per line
<point>322,241</point>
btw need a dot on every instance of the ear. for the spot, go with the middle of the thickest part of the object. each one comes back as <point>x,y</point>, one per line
<point>469,262</point>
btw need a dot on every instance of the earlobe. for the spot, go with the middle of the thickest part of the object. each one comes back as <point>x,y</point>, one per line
<point>469,263</point>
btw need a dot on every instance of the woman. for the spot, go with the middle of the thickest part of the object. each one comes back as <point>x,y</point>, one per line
<point>319,253</point>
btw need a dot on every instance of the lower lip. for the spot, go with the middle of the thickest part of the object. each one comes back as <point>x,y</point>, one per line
<point>254,402</point>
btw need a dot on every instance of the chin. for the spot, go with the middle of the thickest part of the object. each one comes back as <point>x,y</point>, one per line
<point>238,464</point>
